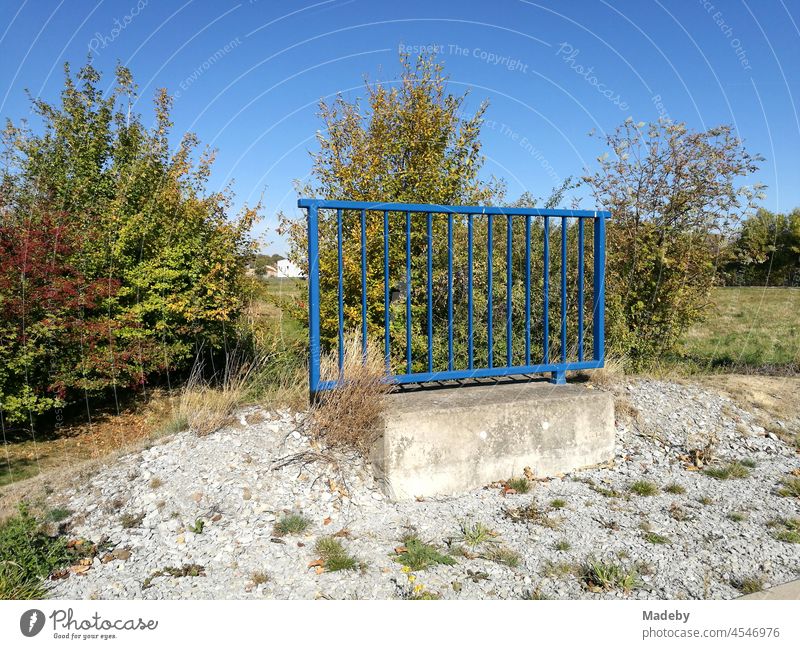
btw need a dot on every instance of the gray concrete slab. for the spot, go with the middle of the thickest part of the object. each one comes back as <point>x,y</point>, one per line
<point>448,441</point>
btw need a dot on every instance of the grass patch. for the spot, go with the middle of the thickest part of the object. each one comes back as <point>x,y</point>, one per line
<point>730,471</point>
<point>558,503</point>
<point>419,555</point>
<point>27,555</point>
<point>334,556</point>
<point>291,524</point>
<point>748,585</point>
<point>606,575</point>
<point>749,463</point>
<point>736,517</point>
<point>675,488</point>
<point>705,500</point>
<point>58,514</point>
<point>560,569</point>
<point>474,534</point>
<point>786,529</point>
<point>562,546</point>
<point>656,539</point>
<point>790,487</point>
<point>643,488</point>
<point>520,485</point>
<point>747,327</point>
<point>503,555</point>
<point>177,423</point>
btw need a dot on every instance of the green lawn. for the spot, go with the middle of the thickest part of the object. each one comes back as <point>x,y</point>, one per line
<point>748,327</point>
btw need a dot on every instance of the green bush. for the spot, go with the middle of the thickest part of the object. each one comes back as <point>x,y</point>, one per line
<point>27,555</point>
<point>118,262</point>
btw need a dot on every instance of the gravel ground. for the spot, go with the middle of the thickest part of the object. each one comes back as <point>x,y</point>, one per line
<point>717,531</point>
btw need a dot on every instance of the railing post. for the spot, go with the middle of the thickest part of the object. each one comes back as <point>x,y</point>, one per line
<point>599,289</point>
<point>313,300</point>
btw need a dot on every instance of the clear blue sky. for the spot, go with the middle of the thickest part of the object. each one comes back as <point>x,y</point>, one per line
<point>249,74</point>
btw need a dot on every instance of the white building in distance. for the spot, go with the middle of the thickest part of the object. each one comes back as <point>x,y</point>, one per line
<point>286,268</point>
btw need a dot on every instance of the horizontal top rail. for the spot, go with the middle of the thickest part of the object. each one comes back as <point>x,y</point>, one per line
<point>448,209</point>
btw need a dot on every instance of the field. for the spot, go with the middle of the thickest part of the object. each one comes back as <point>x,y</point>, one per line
<point>749,328</point>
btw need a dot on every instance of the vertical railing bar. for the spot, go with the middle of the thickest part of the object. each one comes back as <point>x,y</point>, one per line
<point>546,294</point>
<point>580,290</point>
<point>313,300</point>
<point>450,292</point>
<point>408,292</point>
<point>364,284</point>
<point>563,289</point>
<point>469,292</point>
<point>386,291</point>
<point>430,292</point>
<point>527,289</point>
<point>599,289</point>
<point>509,306</point>
<point>340,287</point>
<point>490,297</point>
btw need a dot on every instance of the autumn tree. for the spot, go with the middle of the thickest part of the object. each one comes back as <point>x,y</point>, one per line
<point>409,141</point>
<point>117,262</point>
<point>673,194</point>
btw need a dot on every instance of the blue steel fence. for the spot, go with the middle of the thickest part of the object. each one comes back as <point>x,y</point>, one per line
<point>589,316</point>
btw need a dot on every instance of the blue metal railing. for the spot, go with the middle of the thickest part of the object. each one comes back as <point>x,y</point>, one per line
<point>466,216</point>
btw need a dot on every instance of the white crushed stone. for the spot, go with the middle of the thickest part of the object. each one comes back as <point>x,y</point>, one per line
<point>229,480</point>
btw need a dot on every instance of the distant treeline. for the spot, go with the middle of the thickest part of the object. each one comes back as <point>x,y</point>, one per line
<point>765,251</point>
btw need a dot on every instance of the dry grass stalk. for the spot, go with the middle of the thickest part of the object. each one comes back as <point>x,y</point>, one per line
<point>206,407</point>
<point>350,414</point>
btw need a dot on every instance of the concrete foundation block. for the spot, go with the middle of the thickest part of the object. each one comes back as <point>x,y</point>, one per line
<point>448,441</point>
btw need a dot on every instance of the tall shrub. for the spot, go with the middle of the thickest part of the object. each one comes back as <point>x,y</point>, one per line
<point>673,194</point>
<point>144,262</point>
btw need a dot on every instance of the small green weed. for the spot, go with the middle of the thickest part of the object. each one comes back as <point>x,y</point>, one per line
<point>656,539</point>
<point>58,514</point>
<point>291,524</point>
<point>474,534</point>
<point>198,526</point>
<point>503,555</point>
<point>730,471</point>
<point>419,555</point>
<point>334,556</point>
<point>558,503</point>
<point>643,488</point>
<point>675,488</point>
<point>520,485</point>
<point>605,575</point>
